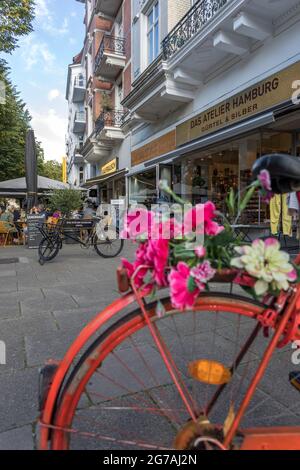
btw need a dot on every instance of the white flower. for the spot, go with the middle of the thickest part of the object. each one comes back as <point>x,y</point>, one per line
<point>265,261</point>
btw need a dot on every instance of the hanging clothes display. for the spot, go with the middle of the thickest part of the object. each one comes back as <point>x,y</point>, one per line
<point>281,221</point>
<point>294,208</point>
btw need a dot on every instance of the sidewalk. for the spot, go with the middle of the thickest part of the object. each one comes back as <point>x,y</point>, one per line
<point>43,308</point>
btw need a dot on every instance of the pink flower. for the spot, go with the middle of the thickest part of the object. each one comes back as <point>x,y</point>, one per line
<point>166,230</point>
<point>202,274</point>
<point>137,223</point>
<point>181,296</point>
<point>200,251</point>
<point>200,219</point>
<point>157,255</point>
<point>266,197</point>
<point>292,275</point>
<point>140,260</point>
<point>265,180</point>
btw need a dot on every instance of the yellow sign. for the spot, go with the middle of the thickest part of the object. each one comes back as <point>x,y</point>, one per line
<point>110,167</point>
<point>260,97</point>
<point>64,169</point>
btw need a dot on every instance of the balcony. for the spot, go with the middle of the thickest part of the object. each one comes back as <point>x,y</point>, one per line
<point>78,158</point>
<point>214,34</point>
<point>110,58</point>
<point>79,122</point>
<point>108,126</point>
<point>108,7</point>
<point>79,90</point>
<point>190,25</point>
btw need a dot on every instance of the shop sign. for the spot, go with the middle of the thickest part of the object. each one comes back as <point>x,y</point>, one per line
<point>276,89</point>
<point>155,148</point>
<point>109,167</point>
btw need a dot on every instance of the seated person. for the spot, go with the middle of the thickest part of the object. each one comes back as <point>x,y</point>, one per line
<point>8,215</point>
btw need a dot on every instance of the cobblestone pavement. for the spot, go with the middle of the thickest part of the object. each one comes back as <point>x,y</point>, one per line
<point>43,308</point>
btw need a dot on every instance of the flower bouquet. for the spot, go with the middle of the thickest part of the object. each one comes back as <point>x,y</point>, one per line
<point>186,248</point>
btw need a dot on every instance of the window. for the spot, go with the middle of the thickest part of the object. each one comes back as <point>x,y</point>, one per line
<point>81,175</point>
<point>153,32</point>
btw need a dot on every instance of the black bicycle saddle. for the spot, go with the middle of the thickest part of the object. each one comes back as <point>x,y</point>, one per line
<point>284,171</point>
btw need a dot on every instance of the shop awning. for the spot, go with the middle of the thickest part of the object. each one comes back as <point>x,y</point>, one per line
<point>233,131</point>
<point>99,180</point>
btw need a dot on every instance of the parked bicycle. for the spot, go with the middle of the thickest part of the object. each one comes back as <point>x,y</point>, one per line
<point>87,233</point>
<point>155,375</point>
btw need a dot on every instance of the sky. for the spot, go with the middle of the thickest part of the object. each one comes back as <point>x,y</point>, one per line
<point>39,69</point>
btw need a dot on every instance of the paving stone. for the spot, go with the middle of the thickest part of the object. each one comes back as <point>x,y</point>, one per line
<point>7,273</point>
<point>76,318</point>
<point>50,345</point>
<point>48,304</point>
<point>17,439</point>
<point>28,325</point>
<point>8,285</point>
<point>18,398</point>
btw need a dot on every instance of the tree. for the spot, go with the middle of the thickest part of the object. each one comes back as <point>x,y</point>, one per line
<point>16,18</point>
<point>52,169</point>
<point>65,200</point>
<point>14,123</point>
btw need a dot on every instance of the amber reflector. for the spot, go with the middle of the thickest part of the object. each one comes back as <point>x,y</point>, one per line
<point>210,372</point>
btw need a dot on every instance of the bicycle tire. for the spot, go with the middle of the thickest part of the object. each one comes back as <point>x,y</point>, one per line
<point>117,333</point>
<point>57,245</point>
<point>118,242</point>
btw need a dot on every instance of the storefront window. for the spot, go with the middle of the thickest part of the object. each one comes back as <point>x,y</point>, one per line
<point>209,175</point>
<point>165,173</point>
<point>119,188</point>
<point>143,188</point>
<point>277,142</point>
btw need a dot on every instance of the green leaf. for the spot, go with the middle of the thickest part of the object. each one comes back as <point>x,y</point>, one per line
<point>160,309</point>
<point>246,199</point>
<point>191,284</point>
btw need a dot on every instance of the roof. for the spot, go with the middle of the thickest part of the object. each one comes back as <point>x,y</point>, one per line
<point>19,184</point>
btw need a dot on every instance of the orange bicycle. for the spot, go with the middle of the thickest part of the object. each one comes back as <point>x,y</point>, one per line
<point>191,379</point>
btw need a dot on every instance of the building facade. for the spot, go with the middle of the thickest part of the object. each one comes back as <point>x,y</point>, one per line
<point>213,82</point>
<point>106,59</point>
<point>188,91</point>
<point>77,168</point>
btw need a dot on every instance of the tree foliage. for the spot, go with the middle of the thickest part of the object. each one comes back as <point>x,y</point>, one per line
<point>14,123</point>
<point>15,20</point>
<point>51,169</point>
<point>65,200</point>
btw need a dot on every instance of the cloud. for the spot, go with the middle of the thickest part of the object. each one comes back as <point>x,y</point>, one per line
<point>53,94</point>
<point>41,9</point>
<point>50,129</point>
<point>34,52</point>
<point>47,21</point>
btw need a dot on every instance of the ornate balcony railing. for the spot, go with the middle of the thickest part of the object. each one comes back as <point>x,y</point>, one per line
<point>198,16</point>
<point>112,118</point>
<point>110,44</point>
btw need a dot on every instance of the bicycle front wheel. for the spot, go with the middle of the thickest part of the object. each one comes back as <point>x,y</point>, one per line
<point>107,243</point>
<point>48,249</point>
<point>120,395</point>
